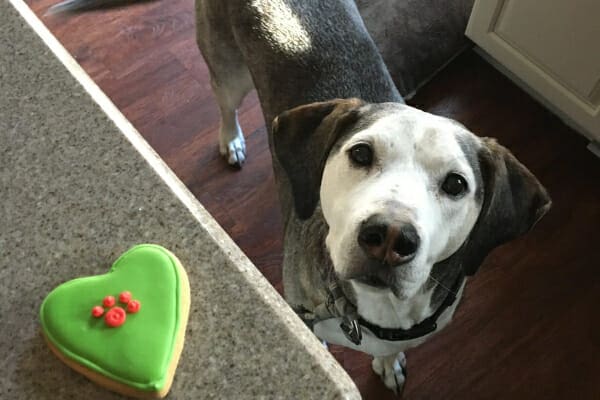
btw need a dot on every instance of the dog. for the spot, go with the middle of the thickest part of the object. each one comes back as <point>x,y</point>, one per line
<point>387,209</point>
<point>400,204</point>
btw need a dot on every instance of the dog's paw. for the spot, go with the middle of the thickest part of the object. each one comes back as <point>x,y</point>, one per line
<point>392,370</point>
<point>234,150</point>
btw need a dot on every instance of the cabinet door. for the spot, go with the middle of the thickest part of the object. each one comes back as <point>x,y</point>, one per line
<point>552,47</point>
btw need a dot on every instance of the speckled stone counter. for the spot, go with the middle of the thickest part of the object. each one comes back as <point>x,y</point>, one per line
<point>75,193</point>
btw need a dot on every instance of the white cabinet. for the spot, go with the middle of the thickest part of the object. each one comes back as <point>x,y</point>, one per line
<point>551,47</point>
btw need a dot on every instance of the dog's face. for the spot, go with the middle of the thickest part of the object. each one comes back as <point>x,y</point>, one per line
<point>402,190</point>
<point>399,194</point>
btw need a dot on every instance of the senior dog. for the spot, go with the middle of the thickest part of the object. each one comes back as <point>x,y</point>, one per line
<point>394,205</point>
<point>387,209</point>
<point>385,206</point>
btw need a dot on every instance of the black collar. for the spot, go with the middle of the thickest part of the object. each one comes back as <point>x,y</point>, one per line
<point>351,327</point>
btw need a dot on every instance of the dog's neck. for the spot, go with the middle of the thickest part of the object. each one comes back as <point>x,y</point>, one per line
<point>443,277</point>
<point>383,308</point>
<point>304,260</point>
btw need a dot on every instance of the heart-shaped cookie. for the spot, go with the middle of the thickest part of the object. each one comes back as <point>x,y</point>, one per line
<point>124,329</point>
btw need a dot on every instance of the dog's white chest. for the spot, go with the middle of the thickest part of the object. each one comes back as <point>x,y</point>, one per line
<point>382,308</point>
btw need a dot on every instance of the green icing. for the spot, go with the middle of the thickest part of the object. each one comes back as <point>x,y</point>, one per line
<point>137,353</point>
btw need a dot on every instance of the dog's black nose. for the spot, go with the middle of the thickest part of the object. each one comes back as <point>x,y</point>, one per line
<point>391,243</point>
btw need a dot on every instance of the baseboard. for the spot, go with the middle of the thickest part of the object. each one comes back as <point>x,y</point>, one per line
<point>533,93</point>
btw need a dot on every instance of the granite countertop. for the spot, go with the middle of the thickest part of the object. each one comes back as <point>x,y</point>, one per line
<point>79,186</point>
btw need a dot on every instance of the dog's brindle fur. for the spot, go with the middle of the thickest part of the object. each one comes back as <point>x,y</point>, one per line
<point>298,52</point>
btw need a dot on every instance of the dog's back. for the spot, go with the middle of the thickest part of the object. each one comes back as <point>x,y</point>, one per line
<point>297,51</point>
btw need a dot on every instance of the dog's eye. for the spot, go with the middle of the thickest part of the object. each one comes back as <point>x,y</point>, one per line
<point>361,154</point>
<point>454,185</point>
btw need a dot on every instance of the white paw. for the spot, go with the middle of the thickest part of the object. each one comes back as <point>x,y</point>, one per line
<point>377,365</point>
<point>392,370</point>
<point>234,150</point>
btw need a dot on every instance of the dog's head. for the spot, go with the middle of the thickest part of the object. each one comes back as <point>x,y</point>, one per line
<point>402,190</point>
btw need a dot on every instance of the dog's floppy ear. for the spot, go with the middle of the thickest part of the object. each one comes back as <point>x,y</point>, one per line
<point>302,139</point>
<point>514,200</point>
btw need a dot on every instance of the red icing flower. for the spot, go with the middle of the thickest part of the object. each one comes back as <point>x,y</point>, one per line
<point>115,317</point>
<point>97,311</point>
<point>108,301</point>
<point>133,306</point>
<point>125,297</point>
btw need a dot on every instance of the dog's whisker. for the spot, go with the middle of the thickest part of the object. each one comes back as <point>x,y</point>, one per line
<point>442,285</point>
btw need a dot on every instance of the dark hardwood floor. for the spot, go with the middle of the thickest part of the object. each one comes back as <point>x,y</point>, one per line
<point>529,325</point>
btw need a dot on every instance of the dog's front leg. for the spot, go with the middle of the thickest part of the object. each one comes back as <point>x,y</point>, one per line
<point>392,370</point>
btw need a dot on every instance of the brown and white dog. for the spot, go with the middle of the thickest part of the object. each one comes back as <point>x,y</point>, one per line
<point>397,204</point>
